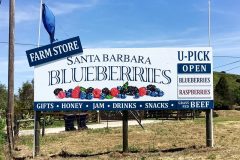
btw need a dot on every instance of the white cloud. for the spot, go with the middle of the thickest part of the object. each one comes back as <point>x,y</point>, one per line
<point>22,71</point>
<point>228,39</point>
<point>215,10</point>
<point>26,15</point>
<point>20,65</point>
<point>30,12</point>
<point>21,15</point>
<point>226,43</point>
<point>181,42</point>
<point>189,31</point>
<point>64,8</point>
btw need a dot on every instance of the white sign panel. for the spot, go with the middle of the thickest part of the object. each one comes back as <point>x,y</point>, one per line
<point>126,78</point>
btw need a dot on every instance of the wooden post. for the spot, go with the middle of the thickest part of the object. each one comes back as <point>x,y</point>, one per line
<point>209,128</point>
<point>98,117</point>
<point>125,130</point>
<point>107,118</point>
<point>16,127</point>
<point>36,133</point>
<point>193,115</point>
<point>10,107</point>
<point>43,124</point>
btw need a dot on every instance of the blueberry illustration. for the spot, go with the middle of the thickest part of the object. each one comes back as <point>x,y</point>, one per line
<point>68,94</point>
<point>148,92</point>
<point>131,90</point>
<point>135,90</point>
<point>161,93</point>
<point>70,90</point>
<point>83,95</point>
<point>89,90</point>
<point>157,90</point>
<point>151,87</point>
<point>103,95</point>
<point>123,96</point>
<point>57,90</point>
<point>105,91</point>
<point>124,91</point>
<point>136,95</point>
<point>119,96</point>
<point>152,94</point>
<point>119,88</point>
<point>89,96</point>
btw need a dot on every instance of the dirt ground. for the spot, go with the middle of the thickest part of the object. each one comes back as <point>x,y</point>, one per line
<point>164,140</point>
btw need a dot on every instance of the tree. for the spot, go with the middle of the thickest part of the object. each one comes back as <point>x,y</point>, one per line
<point>3,100</point>
<point>238,80</point>
<point>237,95</point>
<point>2,137</point>
<point>25,98</point>
<point>222,93</point>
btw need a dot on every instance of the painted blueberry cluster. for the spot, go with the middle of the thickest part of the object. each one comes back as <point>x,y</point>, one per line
<point>119,92</point>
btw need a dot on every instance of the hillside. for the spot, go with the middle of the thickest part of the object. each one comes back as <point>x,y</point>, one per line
<point>231,78</point>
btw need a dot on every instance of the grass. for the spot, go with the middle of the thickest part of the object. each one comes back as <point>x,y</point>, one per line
<point>56,124</point>
<point>221,117</point>
<point>212,156</point>
<point>2,139</point>
<point>163,140</point>
<point>134,149</point>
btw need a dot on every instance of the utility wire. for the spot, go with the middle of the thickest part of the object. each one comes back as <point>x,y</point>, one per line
<point>23,44</point>
<point>226,64</point>
<point>63,31</point>
<point>232,68</point>
<point>226,56</point>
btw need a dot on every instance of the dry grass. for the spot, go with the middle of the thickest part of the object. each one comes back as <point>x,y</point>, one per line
<point>164,140</point>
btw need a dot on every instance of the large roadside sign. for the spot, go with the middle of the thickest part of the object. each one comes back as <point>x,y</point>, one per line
<point>126,79</point>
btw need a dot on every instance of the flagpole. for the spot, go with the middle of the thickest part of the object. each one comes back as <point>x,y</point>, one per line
<point>209,113</point>
<point>39,24</point>
<point>209,23</point>
<point>36,145</point>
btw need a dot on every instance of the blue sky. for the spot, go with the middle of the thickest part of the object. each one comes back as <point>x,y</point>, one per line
<point>125,23</point>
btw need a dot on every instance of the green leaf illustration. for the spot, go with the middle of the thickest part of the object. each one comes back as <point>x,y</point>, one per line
<point>125,86</point>
<point>109,97</point>
<point>82,89</point>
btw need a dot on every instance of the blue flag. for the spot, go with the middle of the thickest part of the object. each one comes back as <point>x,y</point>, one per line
<point>48,21</point>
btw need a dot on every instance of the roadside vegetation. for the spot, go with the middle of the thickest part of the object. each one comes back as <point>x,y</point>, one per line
<point>3,104</point>
<point>226,90</point>
<point>163,140</point>
<point>2,138</point>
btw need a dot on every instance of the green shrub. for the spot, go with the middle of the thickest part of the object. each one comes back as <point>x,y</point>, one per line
<point>2,137</point>
<point>2,134</point>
